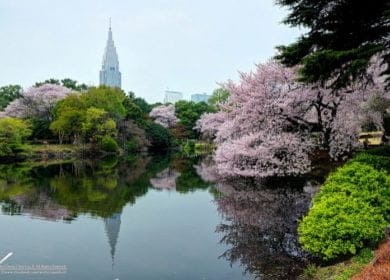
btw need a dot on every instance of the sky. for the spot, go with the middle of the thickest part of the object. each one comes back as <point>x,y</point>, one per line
<point>183,45</point>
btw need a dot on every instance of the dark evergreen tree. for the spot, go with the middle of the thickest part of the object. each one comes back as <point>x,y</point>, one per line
<point>8,94</point>
<point>342,37</point>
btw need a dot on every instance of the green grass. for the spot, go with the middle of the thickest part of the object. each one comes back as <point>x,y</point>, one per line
<point>340,271</point>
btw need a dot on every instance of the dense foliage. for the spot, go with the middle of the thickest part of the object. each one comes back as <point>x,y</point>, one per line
<point>12,134</point>
<point>342,37</point>
<point>142,104</point>
<point>188,113</point>
<point>350,212</point>
<point>105,118</point>
<point>160,137</point>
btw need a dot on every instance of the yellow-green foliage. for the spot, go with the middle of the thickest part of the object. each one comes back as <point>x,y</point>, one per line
<point>12,133</point>
<point>351,210</point>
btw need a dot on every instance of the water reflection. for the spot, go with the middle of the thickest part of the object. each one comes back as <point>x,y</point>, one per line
<point>261,222</point>
<point>165,179</point>
<point>63,191</point>
<point>112,226</point>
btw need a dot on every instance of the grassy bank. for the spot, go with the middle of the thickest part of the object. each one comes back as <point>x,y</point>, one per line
<point>340,271</point>
<point>365,265</point>
<point>41,152</point>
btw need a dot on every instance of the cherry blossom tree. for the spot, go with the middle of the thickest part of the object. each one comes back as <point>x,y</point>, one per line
<point>271,124</point>
<point>164,115</point>
<point>37,102</point>
<point>252,136</point>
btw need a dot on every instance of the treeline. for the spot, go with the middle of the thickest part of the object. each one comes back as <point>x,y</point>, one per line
<point>98,119</point>
<point>102,119</point>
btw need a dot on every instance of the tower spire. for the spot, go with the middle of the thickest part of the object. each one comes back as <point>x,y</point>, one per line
<point>110,74</point>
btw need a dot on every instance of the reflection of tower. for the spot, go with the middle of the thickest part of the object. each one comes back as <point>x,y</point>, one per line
<point>112,226</point>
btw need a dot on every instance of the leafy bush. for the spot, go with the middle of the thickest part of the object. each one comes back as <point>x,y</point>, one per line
<point>351,211</point>
<point>12,134</point>
<point>360,181</point>
<point>339,225</point>
<point>109,145</point>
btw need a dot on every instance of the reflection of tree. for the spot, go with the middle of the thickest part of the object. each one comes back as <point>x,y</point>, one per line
<point>64,190</point>
<point>39,204</point>
<point>103,188</point>
<point>206,170</point>
<point>165,179</point>
<point>261,227</point>
<point>188,180</point>
<point>180,175</point>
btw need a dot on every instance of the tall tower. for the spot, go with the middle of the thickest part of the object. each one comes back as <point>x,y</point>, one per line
<point>110,74</point>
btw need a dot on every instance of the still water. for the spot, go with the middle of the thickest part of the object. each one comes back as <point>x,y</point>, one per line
<point>144,218</point>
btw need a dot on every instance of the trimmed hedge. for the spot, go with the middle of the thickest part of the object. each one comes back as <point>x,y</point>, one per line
<point>351,210</point>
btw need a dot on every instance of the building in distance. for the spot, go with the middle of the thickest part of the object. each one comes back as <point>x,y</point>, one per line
<point>200,97</point>
<point>110,74</point>
<point>172,96</point>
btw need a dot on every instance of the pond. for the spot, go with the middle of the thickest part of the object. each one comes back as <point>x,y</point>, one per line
<point>145,218</point>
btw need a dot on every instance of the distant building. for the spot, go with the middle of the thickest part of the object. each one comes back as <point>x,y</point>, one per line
<point>172,96</point>
<point>110,74</point>
<point>200,97</point>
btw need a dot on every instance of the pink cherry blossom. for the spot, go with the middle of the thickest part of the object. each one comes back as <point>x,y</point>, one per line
<point>164,115</point>
<point>271,124</point>
<point>37,102</point>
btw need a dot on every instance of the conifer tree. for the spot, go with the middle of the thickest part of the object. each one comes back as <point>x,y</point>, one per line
<point>342,36</point>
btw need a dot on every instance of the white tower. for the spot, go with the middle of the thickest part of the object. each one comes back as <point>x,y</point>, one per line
<point>110,74</point>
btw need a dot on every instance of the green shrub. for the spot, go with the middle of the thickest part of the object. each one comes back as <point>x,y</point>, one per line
<point>379,162</point>
<point>351,211</point>
<point>361,181</point>
<point>108,144</point>
<point>339,225</point>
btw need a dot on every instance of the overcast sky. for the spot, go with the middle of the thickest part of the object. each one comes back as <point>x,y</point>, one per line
<point>184,45</point>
